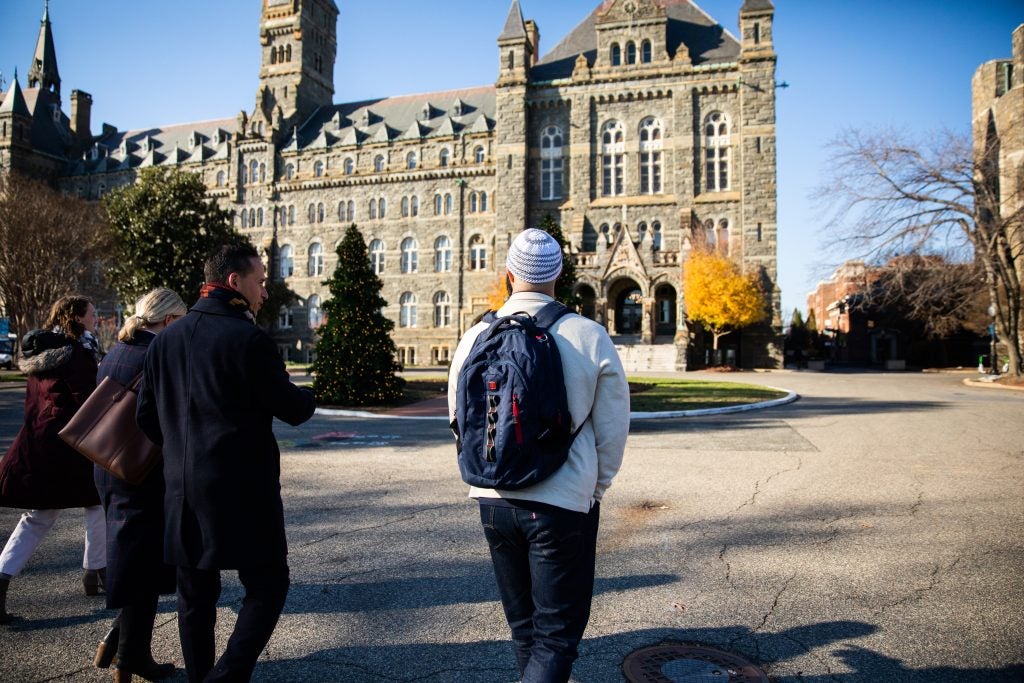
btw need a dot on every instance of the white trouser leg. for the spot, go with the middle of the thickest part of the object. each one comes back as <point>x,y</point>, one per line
<point>30,532</point>
<point>95,538</point>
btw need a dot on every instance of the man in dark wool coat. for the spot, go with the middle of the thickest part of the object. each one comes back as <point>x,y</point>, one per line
<point>212,384</point>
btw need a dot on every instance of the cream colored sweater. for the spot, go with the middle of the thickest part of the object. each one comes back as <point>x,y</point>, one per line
<point>595,384</point>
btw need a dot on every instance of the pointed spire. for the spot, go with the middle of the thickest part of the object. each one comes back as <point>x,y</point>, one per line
<point>44,72</point>
<point>14,102</point>
<point>514,26</point>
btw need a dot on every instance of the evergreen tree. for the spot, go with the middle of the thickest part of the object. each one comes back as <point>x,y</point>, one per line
<point>355,356</point>
<point>567,280</point>
<point>163,228</point>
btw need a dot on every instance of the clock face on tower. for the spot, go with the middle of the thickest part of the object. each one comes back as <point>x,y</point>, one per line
<point>630,7</point>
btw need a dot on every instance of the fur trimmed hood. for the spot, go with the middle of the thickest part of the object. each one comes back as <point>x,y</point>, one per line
<point>42,361</point>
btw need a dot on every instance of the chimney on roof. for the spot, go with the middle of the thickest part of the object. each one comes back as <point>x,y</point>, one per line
<point>81,116</point>
<point>533,33</point>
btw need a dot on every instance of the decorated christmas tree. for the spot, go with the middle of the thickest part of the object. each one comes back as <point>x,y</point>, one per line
<point>567,280</point>
<point>355,356</point>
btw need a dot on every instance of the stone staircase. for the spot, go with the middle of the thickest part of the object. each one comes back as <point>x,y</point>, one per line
<point>646,357</point>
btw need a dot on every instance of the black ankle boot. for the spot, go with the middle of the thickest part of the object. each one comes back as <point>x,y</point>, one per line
<point>4,616</point>
<point>94,581</point>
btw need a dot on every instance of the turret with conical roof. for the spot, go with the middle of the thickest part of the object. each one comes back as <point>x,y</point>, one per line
<point>15,119</point>
<point>44,73</point>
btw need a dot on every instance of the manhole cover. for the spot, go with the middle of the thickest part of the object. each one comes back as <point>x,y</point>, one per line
<point>689,664</point>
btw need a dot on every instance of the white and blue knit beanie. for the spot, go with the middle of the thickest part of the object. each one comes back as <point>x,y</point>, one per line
<point>534,257</point>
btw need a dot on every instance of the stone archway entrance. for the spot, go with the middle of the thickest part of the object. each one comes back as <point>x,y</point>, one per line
<point>626,308</point>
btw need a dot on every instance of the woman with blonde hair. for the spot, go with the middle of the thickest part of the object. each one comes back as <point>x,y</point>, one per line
<point>136,573</point>
<point>40,472</point>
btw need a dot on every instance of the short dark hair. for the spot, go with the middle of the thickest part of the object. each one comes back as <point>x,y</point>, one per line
<point>227,259</point>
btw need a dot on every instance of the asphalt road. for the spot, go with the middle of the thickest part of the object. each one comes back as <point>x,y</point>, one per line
<point>871,531</point>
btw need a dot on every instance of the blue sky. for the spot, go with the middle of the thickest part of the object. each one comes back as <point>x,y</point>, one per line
<point>904,64</point>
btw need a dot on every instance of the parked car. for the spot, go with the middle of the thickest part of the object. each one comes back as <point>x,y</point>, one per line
<point>6,354</point>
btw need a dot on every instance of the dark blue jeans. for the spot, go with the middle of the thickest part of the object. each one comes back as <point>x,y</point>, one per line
<point>544,563</point>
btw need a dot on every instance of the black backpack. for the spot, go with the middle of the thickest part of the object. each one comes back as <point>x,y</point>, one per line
<point>512,423</point>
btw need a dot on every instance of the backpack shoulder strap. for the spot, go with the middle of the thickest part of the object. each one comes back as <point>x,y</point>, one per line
<point>550,313</point>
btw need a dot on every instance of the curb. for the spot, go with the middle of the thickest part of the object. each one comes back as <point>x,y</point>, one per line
<point>989,385</point>
<point>790,397</point>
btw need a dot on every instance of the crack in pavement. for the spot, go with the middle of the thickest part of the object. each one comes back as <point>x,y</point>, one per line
<point>758,483</point>
<point>934,579</point>
<point>391,522</point>
<point>775,603</point>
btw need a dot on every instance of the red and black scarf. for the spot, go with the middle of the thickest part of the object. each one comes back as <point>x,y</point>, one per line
<point>231,297</point>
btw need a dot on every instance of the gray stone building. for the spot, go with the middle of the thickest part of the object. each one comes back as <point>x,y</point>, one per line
<point>647,131</point>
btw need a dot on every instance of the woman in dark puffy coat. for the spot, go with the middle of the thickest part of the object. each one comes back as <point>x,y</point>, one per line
<point>41,472</point>
<point>136,573</point>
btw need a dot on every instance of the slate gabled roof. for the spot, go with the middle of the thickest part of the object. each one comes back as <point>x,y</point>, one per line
<point>14,101</point>
<point>688,25</point>
<point>514,26</point>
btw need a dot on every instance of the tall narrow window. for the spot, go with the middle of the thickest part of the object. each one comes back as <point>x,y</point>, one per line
<point>442,309</point>
<point>447,204</point>
<point>318,169</point>
<point>438,205</point>
<point>254,172</point>
<point>443,157</point>
<point>477,253</point>
<point>616,54</point>
<point>407,302</point>
<point>284,318</point>
<point>405,207</point>
<point>723,236</point>
<point>716,152</point>
<point>351,211</point>
<point>479,155</point>
<point>410,255</point>
<point>656,235</point>
<point>382,208</point>
<point>483,202</point>
<point>291,215</point>
<point>410,161</point>
<point>645,52</point>
<point>473,203</point>
<point>316,314</point>
<point>650,156</point>
<point>320,212</point>
<point>414,206</point>
<point>289,171</point>
<point>377,256</point>
<point>350,166</point>
<point>263,173</point>
<point>378,163</point>
<point>551,163</point>
<point>220,177</point>
<point>316,259</point>
<point>442,254</point>
<point>630,52</point>
<point>373,209</point>
<point>311,213</point>
<point>287,261</point>
<point>612,151</point>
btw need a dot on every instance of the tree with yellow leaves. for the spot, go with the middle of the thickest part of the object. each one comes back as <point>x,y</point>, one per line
<point>497,293</point>
<point>719,296</point>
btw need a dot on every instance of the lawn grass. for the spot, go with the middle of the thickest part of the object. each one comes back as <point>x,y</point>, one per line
<point>657,395</point>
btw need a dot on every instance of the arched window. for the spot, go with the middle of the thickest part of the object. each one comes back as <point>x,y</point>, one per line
<point>410,255</point>
<point>473,203</point>
<point>351,211</point>
<point>320,212</point>
<point>716,152</point>
<point>410,161</point>
<point>245,175</point>
<point>405,207</point>
<point>641,231</point>
<point>437,205</point>
<point>483,202</point>
<point>350,166</point>
<point>650,156</point>
<point>311,213</point>
<point>606,233</point>
<point>259,218</point>
<point>378,163</point>
<point>645,52</point>
<point>443,157</point>
<point>254,171</point>
<point>245,218</point>
<point>442,254</point>
<point>252,218</point>
<point>477,253</point>
<point>442,309</point>
<point>407,316</point>
<point>291,215</point>
<point>612,152</point>
<point>631,52</point>
<point>288,53</point>
<point>287,261</point>
<point>316,314</point>
<point>316,259</point>
<point>414,206</point>
<point>289,171</point>
<point>616,54</point>
<point>373,209</point>
<point>318,169</point>
<point>656,235</point>
<point>479,155</point>
<point>447,204</point>
<point>377,256</point>
<point>284,318</point>
<point>551,163</point>
<point>723,236</point>
<point>220,178</point>
<point>382,208</point>
<point>263,173</point>
<point>273,55</point>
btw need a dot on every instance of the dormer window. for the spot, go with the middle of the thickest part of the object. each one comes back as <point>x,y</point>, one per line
<point>457,108</point>
<point>55,112</point>
<point>425,112</point>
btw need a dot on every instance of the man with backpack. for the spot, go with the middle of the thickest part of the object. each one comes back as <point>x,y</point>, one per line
<point>539,405</point>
